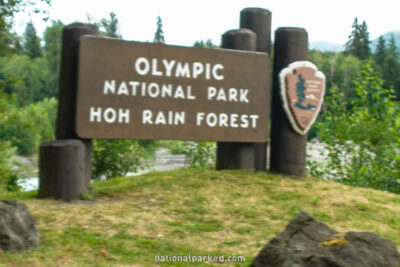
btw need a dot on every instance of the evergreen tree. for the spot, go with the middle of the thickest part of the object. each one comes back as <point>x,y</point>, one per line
<point>391,67</point>
<point>12,44</point>
<point>111,26</point>
<point>32,42</point>
<point>380,51</point>
<point>52,56</point>
<point>159,35</point>
<point>365,50</point>
<point>8,9</point>
<point>354,38</point>
<point>207,44</point>
<point>358,43</point>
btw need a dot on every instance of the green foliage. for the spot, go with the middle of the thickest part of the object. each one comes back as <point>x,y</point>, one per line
<point>8,175</point>
<point>7,11</point>
<point>391,67</point>
<point>30,79</point>
<point>380,51</point>
<point>207,44</point>
<point>159,34</point>
<point>112,158</point>
<point>199,153</point>
<point>358,43</point>
<point>26,128</point>
<point>111,26</point>
<point>362,138</point>
<point>52,56</point>
<point>32,46</point>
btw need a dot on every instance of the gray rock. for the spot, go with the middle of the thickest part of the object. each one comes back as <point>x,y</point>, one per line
<point>17,227</point>
<point>308,243</point>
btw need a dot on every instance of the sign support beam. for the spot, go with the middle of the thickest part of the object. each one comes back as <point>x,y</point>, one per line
<point>288,148</point>
<point>259,21</point>
<point>237,155</point>
<point>51,185</point>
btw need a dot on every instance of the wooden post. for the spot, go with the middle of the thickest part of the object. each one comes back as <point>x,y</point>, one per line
<point>237,155</point>
<point>62,169</point>
<point>288,148</point>
<point>65,167</point>
<point>259,21</point>
<point>65,128</point>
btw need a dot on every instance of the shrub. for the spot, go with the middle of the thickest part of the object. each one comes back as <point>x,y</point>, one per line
<point>198,153</point>
<point>112,158</point>
<point>8,175</point>
<point>362,140</point>
<point>26,128</point>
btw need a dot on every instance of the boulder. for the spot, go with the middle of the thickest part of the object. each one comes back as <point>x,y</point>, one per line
<point>17,227</point>
<point>308,243</point>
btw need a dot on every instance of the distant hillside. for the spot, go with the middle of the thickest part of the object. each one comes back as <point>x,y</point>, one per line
<point>386,36</point>
<point>325,46</point>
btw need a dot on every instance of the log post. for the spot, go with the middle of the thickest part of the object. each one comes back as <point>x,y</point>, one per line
<point>259,21</point>
<point>65,167</point>
<point>62,169</point>
<point>288,148</point>
<point>232,155</point>
<point>65,128</point>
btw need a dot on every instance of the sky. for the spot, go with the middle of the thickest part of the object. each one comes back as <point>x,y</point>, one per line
<point>186,21</point>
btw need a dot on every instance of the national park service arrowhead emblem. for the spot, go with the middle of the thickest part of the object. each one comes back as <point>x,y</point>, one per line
<point>302,90</point>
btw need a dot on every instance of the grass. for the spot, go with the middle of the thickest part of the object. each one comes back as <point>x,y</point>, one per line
<point>129,221</point>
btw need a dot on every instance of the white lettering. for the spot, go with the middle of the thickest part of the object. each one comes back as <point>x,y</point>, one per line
<point>211,119</point>
<point>254,119</point>
<point>179,92</point>
<point>143,89</point>
<point>215,74</point>
<point>234,120</point>
<point>199,118</point>
<point>95,114</point>
<point>168,66</point>
<point>182,70</point>
<point>109,115</point>
<point>223,120</point>
<point>109,86</point>
<point>123,115</point>
<point>243,95</point>
<point>134,86</point>
<point>244,121</point>
<point>179,118</point>
<point>146,116</point>
<point>207,71</point>
<point>154,70</point>
<point>233,94</point>
<point>166,90</point>
<point>197,69</point>
<point>211,92</point>
<point>221,95</point>
<point>160,119</point>
<point>142,66</point>
<point>189,93</point>
<point>123,89</point>
<point>153,90</point>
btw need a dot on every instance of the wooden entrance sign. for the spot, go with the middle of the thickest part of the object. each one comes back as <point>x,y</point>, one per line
<point>135,90</point>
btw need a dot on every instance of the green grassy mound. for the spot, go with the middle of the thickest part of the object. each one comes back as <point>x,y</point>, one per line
<point>197,212</point>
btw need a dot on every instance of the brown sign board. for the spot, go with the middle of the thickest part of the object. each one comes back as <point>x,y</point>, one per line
<point>136,90</point>
<point>302,91</point>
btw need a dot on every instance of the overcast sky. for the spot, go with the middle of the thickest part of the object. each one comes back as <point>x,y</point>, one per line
<point>185,21</point>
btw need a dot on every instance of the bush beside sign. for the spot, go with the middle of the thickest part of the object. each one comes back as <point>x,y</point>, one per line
<point>138,90</point>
